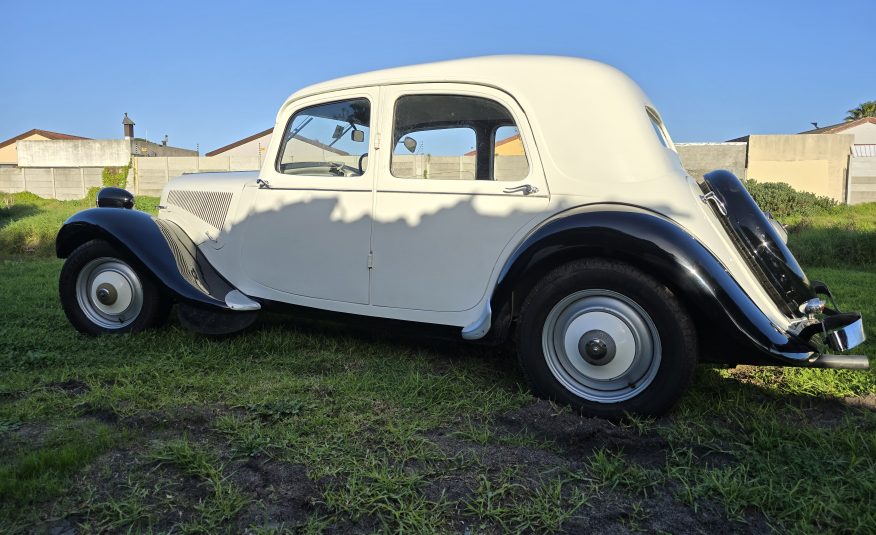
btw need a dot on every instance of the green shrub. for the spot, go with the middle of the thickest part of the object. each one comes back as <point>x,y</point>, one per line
<point>782,200</point>
<point>116,177</point>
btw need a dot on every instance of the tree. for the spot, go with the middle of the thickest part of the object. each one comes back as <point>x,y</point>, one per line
<point>866,109</point>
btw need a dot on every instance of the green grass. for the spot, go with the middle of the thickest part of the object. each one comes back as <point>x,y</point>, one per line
<point>296,427</point>
<point>841,236</point>
<point>29,224</point>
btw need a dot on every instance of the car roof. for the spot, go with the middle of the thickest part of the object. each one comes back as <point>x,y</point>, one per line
<point>512,73</point>
<point>583,114</point>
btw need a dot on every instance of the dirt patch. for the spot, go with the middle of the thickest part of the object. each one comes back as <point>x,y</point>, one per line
<point>567,442</point>
<point>580,436</point>
<point>867,402</point>
<point>284,493</point>
<point>72,387</point>
<point>187,418</point>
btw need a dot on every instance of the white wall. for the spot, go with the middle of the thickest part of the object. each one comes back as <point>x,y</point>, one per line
<point>74,153</point>
<point>865,134</point>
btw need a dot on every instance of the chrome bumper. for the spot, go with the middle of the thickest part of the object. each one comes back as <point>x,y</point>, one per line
<point>845,338</point>
<point>842,331</point>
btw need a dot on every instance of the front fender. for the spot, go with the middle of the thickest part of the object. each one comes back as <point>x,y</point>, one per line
<point>157,246</point>
<point>665,250</point>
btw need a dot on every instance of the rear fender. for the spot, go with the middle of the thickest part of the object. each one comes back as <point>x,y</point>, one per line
<point>665,250</point>
<point>159,247</point>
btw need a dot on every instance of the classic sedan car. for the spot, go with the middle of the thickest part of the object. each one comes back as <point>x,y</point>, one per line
<point>531,199</point>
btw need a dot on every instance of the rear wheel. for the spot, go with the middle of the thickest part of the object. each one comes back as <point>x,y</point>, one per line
<point>607,339</point>
<point>101,292</point>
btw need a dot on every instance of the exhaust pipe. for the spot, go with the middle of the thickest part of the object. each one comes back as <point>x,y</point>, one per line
<point>846,362</point>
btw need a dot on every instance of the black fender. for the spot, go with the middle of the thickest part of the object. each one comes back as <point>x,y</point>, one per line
<point>159,247</point>
<point>662,248</point>
<point>759,242</point>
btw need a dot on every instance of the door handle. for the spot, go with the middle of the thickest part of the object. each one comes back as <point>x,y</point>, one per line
<point>526,189</point>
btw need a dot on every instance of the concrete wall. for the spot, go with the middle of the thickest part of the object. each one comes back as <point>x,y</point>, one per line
<point>815,163</point>
<point>149,175</point>
<point>74,153</point>
<point>862,180</point>
<point>700,158</point>
<point>9,153</point>
<point>64,183</point>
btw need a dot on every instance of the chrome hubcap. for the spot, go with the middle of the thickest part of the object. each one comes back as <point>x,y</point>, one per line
<point>109,293</point>
<point>601,345</point>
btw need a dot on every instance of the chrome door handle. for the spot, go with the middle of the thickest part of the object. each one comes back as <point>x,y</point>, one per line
<point>710,196</point>
<point>526,189</point>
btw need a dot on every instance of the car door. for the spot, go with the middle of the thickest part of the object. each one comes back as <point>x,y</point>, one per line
<point>309,227</point>
<point>459,177</point>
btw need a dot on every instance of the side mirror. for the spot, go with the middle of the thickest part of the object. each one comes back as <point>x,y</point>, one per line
<point>357,136</point>
<point>410,144</point>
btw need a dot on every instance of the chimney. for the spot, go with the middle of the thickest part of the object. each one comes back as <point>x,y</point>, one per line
<point>129,127</point>
<point>164,141</point>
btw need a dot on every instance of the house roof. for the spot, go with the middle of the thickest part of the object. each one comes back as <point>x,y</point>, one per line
<point>839,127</point>
<point>508,139</point>
<point>238,143</point>
<point>38,132</point>
<point>264,133</point>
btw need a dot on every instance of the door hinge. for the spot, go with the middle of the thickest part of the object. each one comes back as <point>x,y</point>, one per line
<point>370,260</point>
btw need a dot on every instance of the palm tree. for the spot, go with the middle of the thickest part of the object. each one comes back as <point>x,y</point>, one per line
<point>866,109</point>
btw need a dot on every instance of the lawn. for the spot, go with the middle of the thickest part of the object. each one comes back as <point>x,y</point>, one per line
<point>305,428</point>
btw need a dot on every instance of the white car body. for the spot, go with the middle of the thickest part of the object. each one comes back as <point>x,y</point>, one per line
<point>547,205</point>
<point>431,250</point>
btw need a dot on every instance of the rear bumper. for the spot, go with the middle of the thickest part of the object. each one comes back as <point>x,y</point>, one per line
<point>839,331</point>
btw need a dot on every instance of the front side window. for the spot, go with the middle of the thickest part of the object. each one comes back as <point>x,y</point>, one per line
<point>455,137</point>
<point>327,140</point>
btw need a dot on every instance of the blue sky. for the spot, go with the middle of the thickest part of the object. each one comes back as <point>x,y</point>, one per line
<point>212,73</point>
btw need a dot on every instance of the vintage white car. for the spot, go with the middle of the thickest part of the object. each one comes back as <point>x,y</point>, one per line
<point>536,199</point>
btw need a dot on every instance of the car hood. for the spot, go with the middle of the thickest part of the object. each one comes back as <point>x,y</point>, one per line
<point>226,181</point>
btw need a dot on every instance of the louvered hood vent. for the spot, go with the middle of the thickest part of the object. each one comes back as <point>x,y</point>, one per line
<point>208,206</point>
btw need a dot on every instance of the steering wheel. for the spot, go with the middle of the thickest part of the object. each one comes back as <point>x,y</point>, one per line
<point>361,169</point>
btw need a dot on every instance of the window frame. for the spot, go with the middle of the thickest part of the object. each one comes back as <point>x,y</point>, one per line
<point>387,182</point>
<point>491,137</point>
<point>362,182</point>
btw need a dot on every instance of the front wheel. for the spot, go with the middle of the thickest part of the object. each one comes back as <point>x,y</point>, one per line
<point>606,338</point>
<point>102,293</point>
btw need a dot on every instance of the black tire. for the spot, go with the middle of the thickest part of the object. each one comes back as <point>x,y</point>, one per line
<point>567,299</point>
<point>149,309</point>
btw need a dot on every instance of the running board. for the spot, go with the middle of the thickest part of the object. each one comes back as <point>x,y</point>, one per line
<point>847,362</point>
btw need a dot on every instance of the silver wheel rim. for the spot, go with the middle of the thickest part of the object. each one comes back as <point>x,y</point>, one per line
<point>109,293</point>
<point>601,346</point>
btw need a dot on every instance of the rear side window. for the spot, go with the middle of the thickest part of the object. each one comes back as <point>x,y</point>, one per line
<point>456,137</point>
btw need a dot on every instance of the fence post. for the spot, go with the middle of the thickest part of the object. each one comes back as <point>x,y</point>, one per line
<point>82,177</point>
<point>136,170</point>
<point>166,170</point>
<point>54,194</point>
<point>24,177</point>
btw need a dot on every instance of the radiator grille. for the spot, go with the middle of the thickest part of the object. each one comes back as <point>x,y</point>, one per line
<point>210,207</point>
